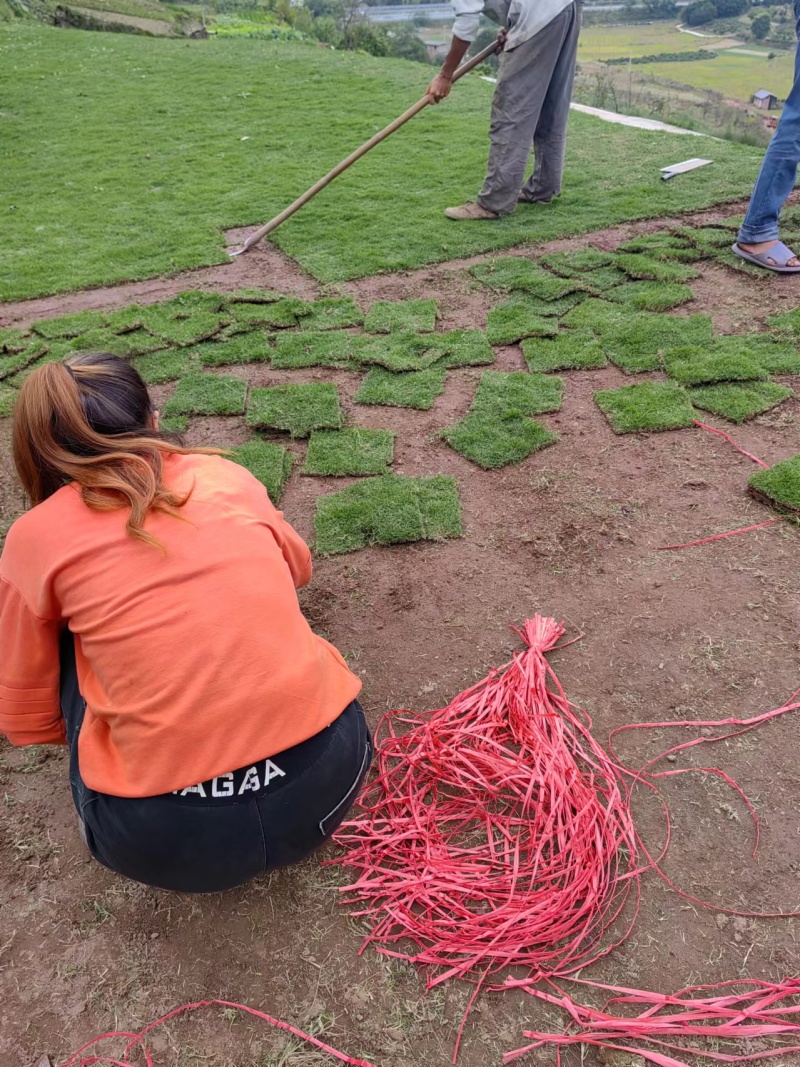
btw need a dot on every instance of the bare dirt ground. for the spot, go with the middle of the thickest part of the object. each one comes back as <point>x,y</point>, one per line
<point>573,531</point>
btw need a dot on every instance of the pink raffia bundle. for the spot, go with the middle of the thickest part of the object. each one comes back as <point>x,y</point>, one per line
<point>743,1010</point>
<point>497,832</point>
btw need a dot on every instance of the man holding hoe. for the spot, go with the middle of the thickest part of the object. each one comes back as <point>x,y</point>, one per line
<point>531,102</point>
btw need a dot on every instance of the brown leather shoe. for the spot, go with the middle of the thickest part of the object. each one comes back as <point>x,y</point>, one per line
<point>470,212</point>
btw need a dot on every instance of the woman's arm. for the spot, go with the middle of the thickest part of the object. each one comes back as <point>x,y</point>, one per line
<point>30,709</point>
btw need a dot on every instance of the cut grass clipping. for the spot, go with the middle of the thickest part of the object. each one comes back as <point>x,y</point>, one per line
<point>737,401</point>
<point>296,409</point>
<point>397,316</point>
<point>649,406</point>
<point>208,394</point>
<point>568,350</point>
<point>780,485</point>
<point>516,318</point>
<point>388,510</point>
<point>267,461</point>
<point>352,451</point>
<point>413,389</point>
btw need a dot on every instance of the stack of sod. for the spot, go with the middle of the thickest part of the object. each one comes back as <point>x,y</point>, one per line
<point>497,430</point>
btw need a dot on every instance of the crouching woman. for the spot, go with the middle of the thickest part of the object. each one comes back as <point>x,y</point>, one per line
<point>149,620</point>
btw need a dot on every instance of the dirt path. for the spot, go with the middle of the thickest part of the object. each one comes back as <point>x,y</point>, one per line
<point>573,532</point>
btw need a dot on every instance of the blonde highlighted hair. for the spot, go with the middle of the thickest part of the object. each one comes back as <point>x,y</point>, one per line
<point>90,420</point>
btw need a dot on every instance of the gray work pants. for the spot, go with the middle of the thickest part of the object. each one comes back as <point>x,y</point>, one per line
<point>530,109</point>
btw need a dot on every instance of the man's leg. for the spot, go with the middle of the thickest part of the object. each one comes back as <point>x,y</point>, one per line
<point>522,84</point>
<point>778,173</point>
<point>550,138</point>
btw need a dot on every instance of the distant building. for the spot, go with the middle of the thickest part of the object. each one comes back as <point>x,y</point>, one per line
<point>764,99</point>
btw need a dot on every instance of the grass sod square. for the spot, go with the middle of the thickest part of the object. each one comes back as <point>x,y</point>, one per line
<point>568,350</point>
<point>492,440</point>
<point>279,314</point>
<point>13,341</point>
<point>647,268</point>
<point>554,308</point>
<point>185,331</point>
<point>355,450</point>
<point>253,296</point>
<point>606,278</point>
<point>665,245</point>
<point>332,314</point>
<point>739,401</point>
<point>647,407</point>
<point>636,342</point>
<point>786,325</point>
<point>178,424</point>
<point>412,389</point>
<point>250,347</point>
<point>133,343</point>
<point>706,365</point>
<point>779,485</point>
<point>462,348</point>
<point>651,296</point>
<point>208,394</point>
<point>326,349</point>
<point>401,316</point>
<point>710,239</point>
<point>517,273</point>
<point>585,260</point>
<point>8,397</point>
<point>391,509</point>
<point>191,302</point>
<point>125,320</point>
<point>295,409</point>
<point>516,318</point>
<point>597,316</point>
<point>398,351</point>
<point>159,367</point>
<point>67,326</point>
<point>517,393</point>
<point>270,463</point>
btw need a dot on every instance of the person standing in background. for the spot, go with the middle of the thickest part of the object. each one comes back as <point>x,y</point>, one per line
<point>758,240</point>
<point>531,101</point>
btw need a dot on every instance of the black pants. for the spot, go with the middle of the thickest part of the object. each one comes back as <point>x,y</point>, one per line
<point>218,834</point>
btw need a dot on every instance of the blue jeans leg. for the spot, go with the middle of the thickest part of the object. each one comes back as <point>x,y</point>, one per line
<point>778,171</point>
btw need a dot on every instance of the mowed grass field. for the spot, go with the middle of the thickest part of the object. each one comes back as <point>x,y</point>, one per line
<point>188,138</point>
<point>734,75</point>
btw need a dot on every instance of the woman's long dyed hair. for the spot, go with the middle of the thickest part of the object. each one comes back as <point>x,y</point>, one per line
<point>90,420</point>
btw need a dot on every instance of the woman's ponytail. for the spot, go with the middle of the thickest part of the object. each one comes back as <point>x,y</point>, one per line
<point>89,420</point>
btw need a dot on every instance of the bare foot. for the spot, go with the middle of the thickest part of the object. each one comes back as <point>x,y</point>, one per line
<point>764,246</point>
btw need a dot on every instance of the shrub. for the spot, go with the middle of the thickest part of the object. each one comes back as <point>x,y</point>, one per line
<point>700,12</point>
<point>760,26</point>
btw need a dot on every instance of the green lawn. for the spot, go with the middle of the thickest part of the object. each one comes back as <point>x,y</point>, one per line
<point>614,42</point>
<point>735,76</point>
<point>189,137</point>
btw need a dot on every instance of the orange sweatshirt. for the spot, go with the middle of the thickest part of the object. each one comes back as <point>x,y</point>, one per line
<point>193,661</point>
